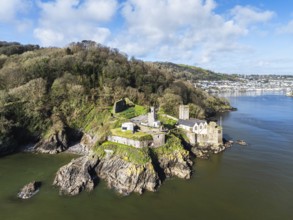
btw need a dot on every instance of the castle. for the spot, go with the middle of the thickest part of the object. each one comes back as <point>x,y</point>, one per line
<point>199,132</point>
<point>148,128</point>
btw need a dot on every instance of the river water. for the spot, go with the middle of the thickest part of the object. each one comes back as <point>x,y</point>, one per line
<point>252,182</point>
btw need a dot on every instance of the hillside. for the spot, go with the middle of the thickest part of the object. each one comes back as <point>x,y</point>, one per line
<point>49,92</point>
<point>191,73</point>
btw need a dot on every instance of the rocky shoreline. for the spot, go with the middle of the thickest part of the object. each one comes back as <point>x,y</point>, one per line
<point>120,174</point>
<point>123,176</point>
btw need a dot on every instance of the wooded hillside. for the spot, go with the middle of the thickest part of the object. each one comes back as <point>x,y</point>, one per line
<point>38,85</point>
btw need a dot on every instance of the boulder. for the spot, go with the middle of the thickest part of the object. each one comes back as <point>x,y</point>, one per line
<point>241,142</point>
<point>29,190</point>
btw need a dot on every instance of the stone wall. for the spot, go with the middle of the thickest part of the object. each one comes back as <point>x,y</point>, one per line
<point>214,136</point>
<point>119,106</point>
<point>130,142</point>
<point>158,139</point>
<point>184,112</point>
<point>192,137</point>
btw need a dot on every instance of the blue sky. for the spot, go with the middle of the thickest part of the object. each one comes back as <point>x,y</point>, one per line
<point>228,36</point>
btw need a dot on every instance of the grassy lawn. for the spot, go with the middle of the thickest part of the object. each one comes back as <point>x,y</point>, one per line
<point>173,144</point>
<point>132,112</point>
<point>141,136</point>
<point>128,153</point>
<point>167,122</point>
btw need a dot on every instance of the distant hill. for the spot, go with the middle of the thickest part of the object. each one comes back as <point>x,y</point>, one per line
<point>191,73</point>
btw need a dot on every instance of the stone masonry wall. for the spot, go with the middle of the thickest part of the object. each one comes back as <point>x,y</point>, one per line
<point>130,142</point>
<point>158,139</point>
<point>119,106</point>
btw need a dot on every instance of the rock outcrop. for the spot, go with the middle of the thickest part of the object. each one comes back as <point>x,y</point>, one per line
<point>88,141</point>
<point>205,152</point>
<point>124,170</point>
<point>176,164</point>
<point>29,190</point>
<point>77,176</point>
<point>55,143</point>
<point>200,152</point>
<point>126,177</point>
<point>56,138</point>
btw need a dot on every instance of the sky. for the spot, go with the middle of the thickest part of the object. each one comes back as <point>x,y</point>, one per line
<point>227,36</point>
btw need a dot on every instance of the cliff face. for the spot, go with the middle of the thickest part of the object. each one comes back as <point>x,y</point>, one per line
<point>76,176</point>
<point>54,144</point>
<point>122,173</point>
<point>176,164</point>
<point>126,177</point>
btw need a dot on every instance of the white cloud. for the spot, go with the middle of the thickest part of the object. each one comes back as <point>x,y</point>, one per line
<point>10,9</point>
<point>64,21</point>
<point>286,29</point>
<point>176,30</point>
<point>185,31</point>
<point>246,15</point>
<point>15,14</point>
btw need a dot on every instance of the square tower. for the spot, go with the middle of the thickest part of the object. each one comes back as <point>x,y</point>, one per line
<point>184,112</point>
<point>151,117</point>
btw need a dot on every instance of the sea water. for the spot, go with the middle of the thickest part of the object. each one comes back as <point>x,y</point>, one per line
<point>244,182</point>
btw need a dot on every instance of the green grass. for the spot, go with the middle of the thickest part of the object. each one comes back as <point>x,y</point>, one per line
<point>95,121</point>
<point>167,122</point>
<point>127,153</point>
<point>140,136</point>
<point>173,144</point>
<point>132,112</point>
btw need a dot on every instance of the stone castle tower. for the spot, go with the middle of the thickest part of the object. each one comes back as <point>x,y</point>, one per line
<point>184,112</point>
<point>151,117</point>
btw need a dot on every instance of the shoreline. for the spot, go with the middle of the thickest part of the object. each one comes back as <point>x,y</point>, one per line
<point>77,149</point>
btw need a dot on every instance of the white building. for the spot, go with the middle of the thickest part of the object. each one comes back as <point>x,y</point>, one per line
<point>128,126</point>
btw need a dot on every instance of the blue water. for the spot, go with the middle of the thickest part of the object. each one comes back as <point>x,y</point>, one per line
<point>242,183</point>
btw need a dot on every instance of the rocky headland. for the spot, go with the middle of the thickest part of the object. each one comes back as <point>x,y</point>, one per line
<point>125,169</point>
<point>76,176</point>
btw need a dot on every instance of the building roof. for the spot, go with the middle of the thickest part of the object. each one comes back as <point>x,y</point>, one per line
<point>140,119</point>
<point>128,124</point>
<point>190,122</point>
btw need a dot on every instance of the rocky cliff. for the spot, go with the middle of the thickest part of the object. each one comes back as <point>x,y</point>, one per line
<point>77,176</point>
<point>126,177</point>
<point>55,140</point>
<point>176,164</point>
<point>54,144</point>
<point>125,173</point>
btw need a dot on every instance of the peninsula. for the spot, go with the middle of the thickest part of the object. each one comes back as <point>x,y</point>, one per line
<point>135,123</point>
